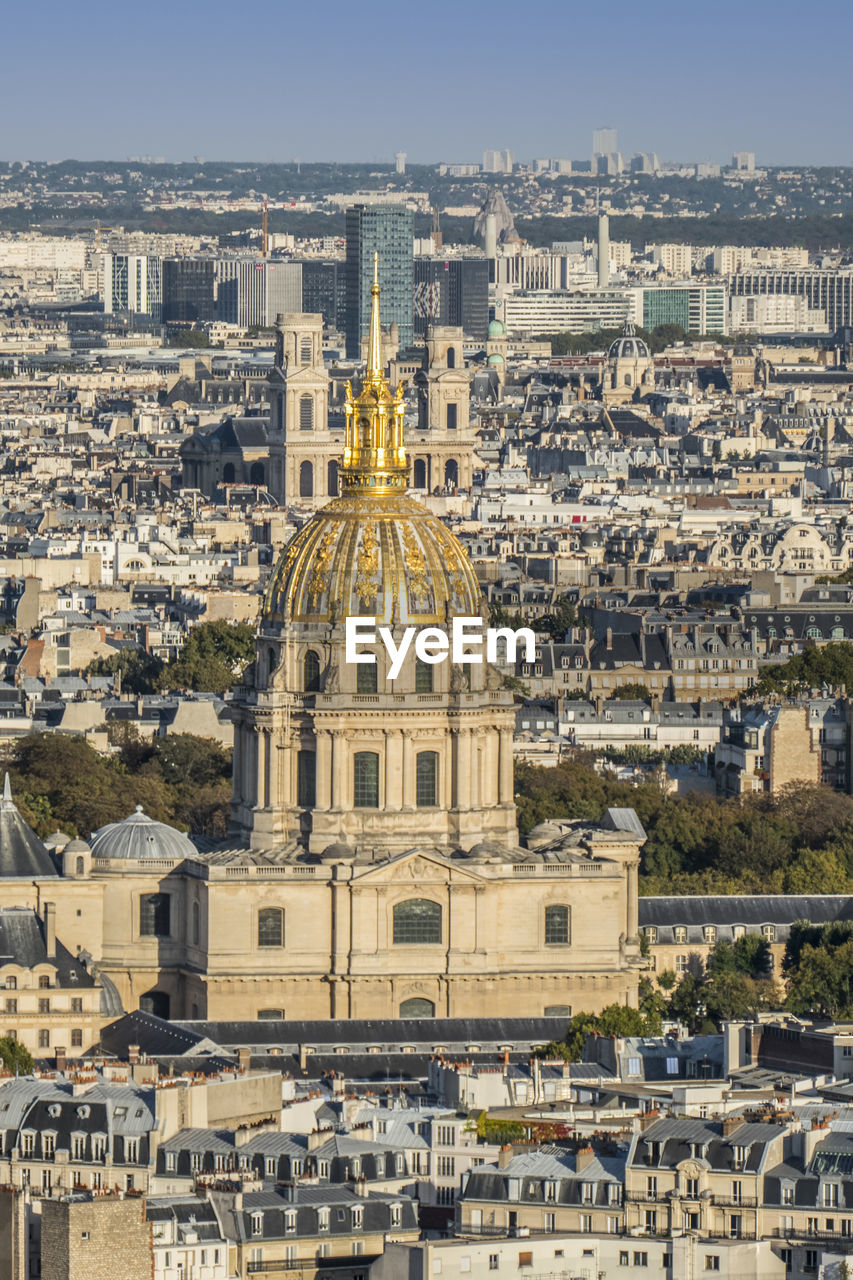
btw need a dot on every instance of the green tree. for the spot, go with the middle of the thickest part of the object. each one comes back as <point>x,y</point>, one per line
<point>213,659</point>
<point>140,671</point>
<point>817,871</point>
<point>632,693</point>
<point>16,1057</point>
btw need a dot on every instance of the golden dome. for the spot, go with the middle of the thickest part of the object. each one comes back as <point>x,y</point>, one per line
<point>385,557</point>
<point>374,552</point>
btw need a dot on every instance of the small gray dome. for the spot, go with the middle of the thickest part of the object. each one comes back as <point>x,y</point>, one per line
<point>76,846</point>
<point>338,853</point>
<point>629,348</point>
<point>140,837</point>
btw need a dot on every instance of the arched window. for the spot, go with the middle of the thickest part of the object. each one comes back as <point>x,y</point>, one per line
<point>814,633</point>
<point>627,379</point>
<point>365,780</point>
<point>419,480</point>
<point>451,473</point>
<point>270,1015</point>
<point>558,1010</point>
<point>271,927</point>
<point>838,633</point>
<point>311,672</point>
<point>426,770</point>
<point>306,779</point>
<point>365,680</point>
<point>332,477</point>
<point>196,924</point>
<point>81,867</point>
<point>451,357</point>
<point>417,1007</point>
<point>452,412</point>
<point>306,480</point>
<point>256,475</point>
<point>306,413</point>
<point>305,351</point>
<point>556,925</point>
<point>417,920</point>
<point>423,676</point>
<point>228,473</point>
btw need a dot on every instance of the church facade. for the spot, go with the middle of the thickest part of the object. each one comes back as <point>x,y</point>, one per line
<point>375,868</point>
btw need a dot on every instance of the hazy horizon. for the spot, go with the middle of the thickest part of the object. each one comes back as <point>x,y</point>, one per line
<point>440,83</point>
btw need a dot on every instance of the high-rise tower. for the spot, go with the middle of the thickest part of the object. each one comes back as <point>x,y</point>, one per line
<point>389,231</point>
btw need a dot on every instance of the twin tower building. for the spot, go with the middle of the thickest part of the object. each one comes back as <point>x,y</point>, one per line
<point>375,868</point>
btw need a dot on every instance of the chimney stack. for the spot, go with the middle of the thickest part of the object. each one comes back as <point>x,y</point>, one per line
<point>133,1054</point>
<point>504,1156</point>
<point>585,1156</point>
<point>244,1055</point>
<point>50,929</point>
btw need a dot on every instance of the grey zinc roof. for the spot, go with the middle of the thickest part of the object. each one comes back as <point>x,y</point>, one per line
<point>22,942</point>
<point>755,909</point>
<point>140,837</point>
<point>22,854</point>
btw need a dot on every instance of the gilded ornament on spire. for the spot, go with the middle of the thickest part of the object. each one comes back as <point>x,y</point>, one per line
<point>374,460</point>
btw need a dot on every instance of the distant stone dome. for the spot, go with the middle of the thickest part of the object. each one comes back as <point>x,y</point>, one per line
<point>629,348</point>
<point>497,329</point>
<point>140,837</point>
<point>495,358</point>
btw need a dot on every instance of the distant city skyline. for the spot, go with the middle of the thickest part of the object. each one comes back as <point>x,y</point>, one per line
<point>272,83</point>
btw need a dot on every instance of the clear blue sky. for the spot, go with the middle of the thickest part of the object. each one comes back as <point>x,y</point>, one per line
<point>358,81</point>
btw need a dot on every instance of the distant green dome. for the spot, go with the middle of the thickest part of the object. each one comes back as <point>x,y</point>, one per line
<point>497,329</point>
<point>495,358</point>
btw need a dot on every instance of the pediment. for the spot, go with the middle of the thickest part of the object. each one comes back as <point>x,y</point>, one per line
<point>419,866</point>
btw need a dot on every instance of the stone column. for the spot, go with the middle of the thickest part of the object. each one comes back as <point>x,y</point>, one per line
<point>631,869</point>
<point>324,769</point>
<point>506,785</point>
<point>260,768</point>
<point>408,770</point>
<point>394,770</point>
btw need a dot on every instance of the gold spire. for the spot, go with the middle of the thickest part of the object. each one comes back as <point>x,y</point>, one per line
<point>374,341</point>
<point>374,458</point>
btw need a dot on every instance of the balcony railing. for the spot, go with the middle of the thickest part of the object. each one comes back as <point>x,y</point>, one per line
<point>803,1233</point>
<point>733,1202</point>
<point>284,1269</point>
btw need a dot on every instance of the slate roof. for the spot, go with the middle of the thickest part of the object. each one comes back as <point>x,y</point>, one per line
<point>747,909</point>
<point>22,854</point>
<point>22,942</point>
<point>453,1033</point>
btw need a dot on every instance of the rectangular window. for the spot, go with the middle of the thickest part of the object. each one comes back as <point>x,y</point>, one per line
<point>712,1262</point>
<point>76,1038</point>
<point>306,779</point>
<point>44,1005</point>
<point>154,915</point>
<point>366,779</point>
<point>76,1004</point>
<point>44,1040</point>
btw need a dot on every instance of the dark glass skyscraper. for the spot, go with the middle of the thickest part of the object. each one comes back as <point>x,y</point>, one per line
<point>452,291</point>
<point>324,291</point>
<point>188,290</point>
<point>389,231</point>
